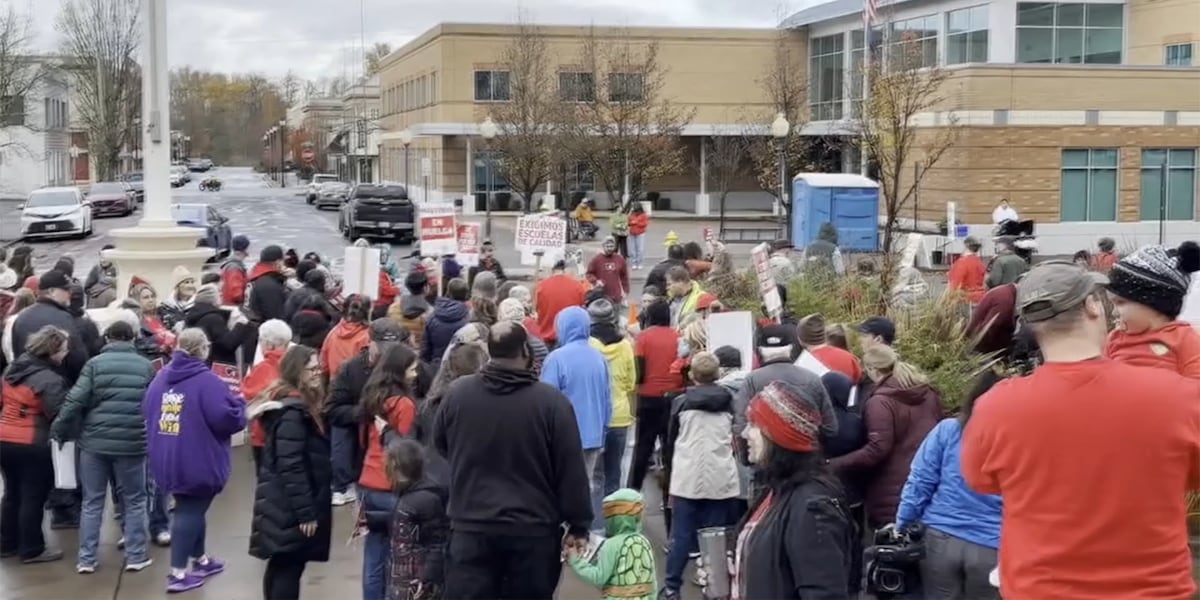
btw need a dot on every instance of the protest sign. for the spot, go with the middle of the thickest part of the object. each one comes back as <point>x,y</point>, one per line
<point>541,232</point>
<point>733,329</point>
<point>360,272</point>
<point>761,256</point>
<point>468,244</point>
<point>436,226</point>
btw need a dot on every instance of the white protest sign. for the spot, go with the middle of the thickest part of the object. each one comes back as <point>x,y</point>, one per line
<point>915,253</point>
<point>541,232</point>
<point>468,244</point>
<point>733,329</point>
<point>360,272</point>
<point>761,256</point>
<point>437,228</point>
<point>951,220</point>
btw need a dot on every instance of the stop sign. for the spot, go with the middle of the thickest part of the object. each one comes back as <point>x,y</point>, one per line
<point>308,155</point>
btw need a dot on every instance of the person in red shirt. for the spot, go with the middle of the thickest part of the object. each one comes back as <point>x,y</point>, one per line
<point>275,337</point>
<point>654,353</point>
<point>387,294</point>
<point>1147,289</point>
<point>968,273</point>
<point>1104,260</point>
<point>553,294</point>
<point>233,272</point>
<point>813,339</point>
<point>1093,457</point>
<point>639,222</point>
<point>387,410</point>
<point>609,271</point>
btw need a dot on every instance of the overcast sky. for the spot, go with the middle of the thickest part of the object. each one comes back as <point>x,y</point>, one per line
<point>320,37</point>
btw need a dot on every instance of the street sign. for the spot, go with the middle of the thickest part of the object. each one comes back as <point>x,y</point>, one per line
<point>761,256</point>
<point>308,154</point>
<point>468,244</point>
<point>439,235</point>
<point>426,167</point>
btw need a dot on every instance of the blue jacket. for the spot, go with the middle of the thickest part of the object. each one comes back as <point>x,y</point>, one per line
<point>936,494</point>
<point>448,317</point>
<point>580,372</point>
<point>190,416</point>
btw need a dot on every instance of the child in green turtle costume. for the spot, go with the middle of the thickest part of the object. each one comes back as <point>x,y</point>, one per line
<point>623,566</point>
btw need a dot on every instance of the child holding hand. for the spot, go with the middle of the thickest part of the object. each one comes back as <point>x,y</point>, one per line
<point>623,566</point>
<point>1147,289</point>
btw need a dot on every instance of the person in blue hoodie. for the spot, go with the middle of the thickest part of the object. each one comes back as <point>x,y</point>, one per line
<point>190,415</point>
<point>962,528</point>
<point>450,313</point>
<point>580,372</point>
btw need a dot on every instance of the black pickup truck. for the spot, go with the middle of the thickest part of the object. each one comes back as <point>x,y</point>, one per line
<point>378,210</point>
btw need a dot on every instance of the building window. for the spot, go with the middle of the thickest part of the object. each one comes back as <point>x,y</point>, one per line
<point>579,178</point>
<point>433,88</point>
<point>1089,184</point>
<point>492,86</point>
<point>826,77</point>
<point>1070,33</point>
<point>577,87</point>
<point>1178,55</point>
<point>482,172</point>
<point>913,43</point>
<point>12,111</point>
<point>626,87</point>
<point>967,35</point>
<point>1180,183</point>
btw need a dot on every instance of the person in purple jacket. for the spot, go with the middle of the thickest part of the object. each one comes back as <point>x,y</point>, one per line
<point>190,416</point>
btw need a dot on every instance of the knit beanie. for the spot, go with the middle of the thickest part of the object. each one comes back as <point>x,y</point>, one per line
<point>602,311</point>
<point>787,418</point>
<point>512,309</point>
<point>180,274</point>
<point>209,294</point>
<point>811,330</point>
<point>1156,276</point>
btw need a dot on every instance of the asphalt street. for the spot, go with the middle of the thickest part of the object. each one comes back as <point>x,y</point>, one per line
<point>271,215</point>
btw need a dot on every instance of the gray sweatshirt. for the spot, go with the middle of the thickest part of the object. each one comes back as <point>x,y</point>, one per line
<point>806,383</point>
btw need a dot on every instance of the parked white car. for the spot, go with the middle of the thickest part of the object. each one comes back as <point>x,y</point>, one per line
<point>314,185</point>
<point>56,211</point>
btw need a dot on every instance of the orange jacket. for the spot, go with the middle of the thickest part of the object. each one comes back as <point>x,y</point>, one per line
<point>967,275</point>
<point>260,377</point>
<point>343,343</point>
<point>387,290</point>
<point>400,413</point>
<point>551,296</point>
<point>30,396</point>
<point>638,223</point>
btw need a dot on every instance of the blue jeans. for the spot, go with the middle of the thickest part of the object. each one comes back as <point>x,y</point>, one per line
<point>156,505</point>
<point>189,528</point>
<point>341,451</point>
<point>689,516</point>
<point>129,472</point>
<point>377,551</point>
<point>608,471</point>
<point>637,249</point>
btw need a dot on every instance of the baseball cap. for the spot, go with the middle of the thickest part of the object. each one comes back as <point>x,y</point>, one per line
<point>776,336</point>
<point>240,243</point>
<point>386,330</point>
<point>706,301</point>
<point>54,280</point>
<point>880,326</point>
<point>781,244</point>
<point>1054,287</point>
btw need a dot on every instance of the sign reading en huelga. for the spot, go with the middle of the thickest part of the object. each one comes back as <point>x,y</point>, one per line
<point>438,229</point>
<point>541,233</point>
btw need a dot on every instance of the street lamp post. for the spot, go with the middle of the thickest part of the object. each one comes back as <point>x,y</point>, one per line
<point>780,128</point>
<point>282,146</point>
<point>75,151</point>
<point>487,129</point>
<point>187,147</point>
<point>406,138</point>
<point>124,155</point>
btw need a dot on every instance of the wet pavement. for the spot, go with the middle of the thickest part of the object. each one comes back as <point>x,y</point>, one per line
<point>228,538</point>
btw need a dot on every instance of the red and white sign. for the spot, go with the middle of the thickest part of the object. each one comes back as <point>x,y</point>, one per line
<point>468,244</point>
<point>229,374</point>
<point>308,154</point>
<point>541,233</point>
<point>439,232</point>
<point>761,256</point>
<point>709,236</point>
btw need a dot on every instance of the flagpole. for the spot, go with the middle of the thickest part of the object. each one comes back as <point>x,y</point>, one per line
<point>866,87</point>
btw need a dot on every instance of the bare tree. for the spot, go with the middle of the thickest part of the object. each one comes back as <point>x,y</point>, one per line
<point>290,87</point>
<point>374,57</point>
<point>726,162</point>
<point>890,136</point>
<point>101,39</point>
<point>621,125</point>
<point>20,75</point>
<point>784,85</point>
<point>527,125</point>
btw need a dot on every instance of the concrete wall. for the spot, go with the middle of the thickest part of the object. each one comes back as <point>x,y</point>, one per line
<point>1153,24</point>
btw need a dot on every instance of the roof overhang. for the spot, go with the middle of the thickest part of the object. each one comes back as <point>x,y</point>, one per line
<point>690,130</point>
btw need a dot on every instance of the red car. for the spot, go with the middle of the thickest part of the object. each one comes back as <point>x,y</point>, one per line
<point>111,198</point>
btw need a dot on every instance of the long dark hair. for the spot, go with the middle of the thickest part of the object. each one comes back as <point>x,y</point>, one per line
<point>21,261</point>
<point>784,470</point>
<point>388,379</point>
<point>983,383</point>
<point>294,380</point>
<point>463,360</point>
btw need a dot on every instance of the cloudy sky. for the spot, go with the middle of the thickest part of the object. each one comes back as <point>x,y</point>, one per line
<point>319,37</point>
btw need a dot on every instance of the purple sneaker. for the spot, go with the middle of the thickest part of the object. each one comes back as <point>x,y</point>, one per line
<point>208,568</point>
<point>188,582</point>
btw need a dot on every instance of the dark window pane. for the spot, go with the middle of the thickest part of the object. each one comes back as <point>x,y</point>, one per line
<point>1039,14</point>
<point>1035,45</point>
<point>1103,46</point>
<point>1182,158</point>
<point>1073,195</point>
<point>1075,158</point>
<point>483,85</point>
<point>1069,15</point>
<point>1105,15</point>
<point>500,87</point>
<point>1068,46</point>
<point>1104,157</point>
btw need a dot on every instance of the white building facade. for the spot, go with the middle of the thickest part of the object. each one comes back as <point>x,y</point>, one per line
<point>35,136</point>
<point>357,138</point>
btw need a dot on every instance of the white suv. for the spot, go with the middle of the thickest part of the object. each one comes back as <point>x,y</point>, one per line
<point>56,211</point>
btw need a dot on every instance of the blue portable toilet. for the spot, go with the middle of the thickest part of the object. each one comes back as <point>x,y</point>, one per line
<point>849,201</point>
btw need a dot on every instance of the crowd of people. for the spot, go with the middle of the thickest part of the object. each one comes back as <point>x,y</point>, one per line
<point>487,433</point>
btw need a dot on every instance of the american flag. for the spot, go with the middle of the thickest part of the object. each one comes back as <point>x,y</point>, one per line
<point>870,14</point>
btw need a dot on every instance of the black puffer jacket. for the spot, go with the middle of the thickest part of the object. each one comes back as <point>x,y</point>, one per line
<point>107,399</point>
<point>214,321</point>
<point>293,485</point>
<point>345,391</point>
<point>48,312</point>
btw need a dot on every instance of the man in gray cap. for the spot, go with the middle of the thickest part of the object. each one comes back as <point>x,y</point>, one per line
<point>1085,426</point>
<point>1007,267</point>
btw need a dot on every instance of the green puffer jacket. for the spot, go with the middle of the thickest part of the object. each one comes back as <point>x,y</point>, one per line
<point>107,398</point>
